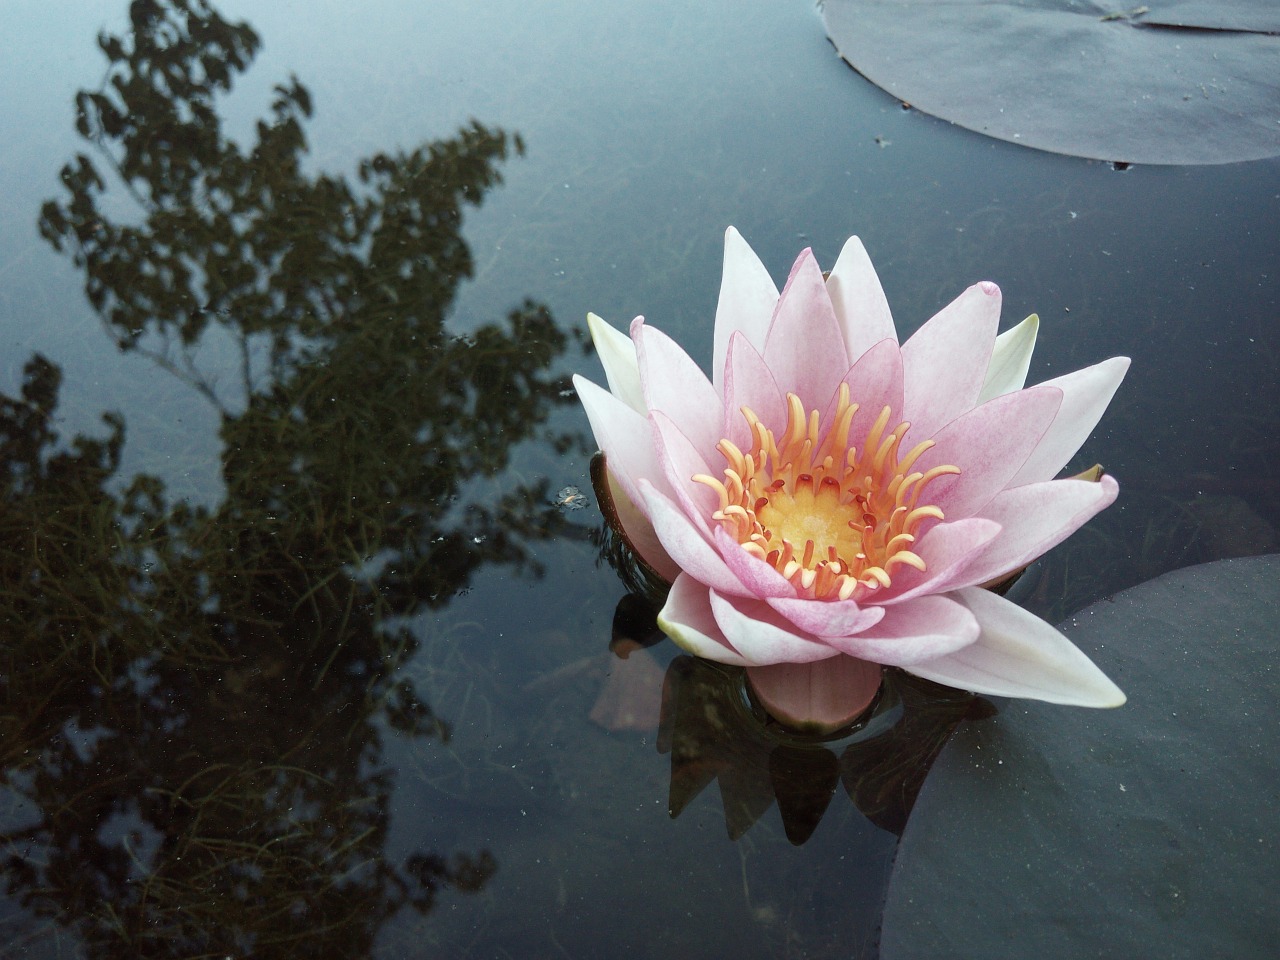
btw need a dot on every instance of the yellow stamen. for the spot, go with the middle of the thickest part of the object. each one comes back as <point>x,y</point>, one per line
<point>833,521</point>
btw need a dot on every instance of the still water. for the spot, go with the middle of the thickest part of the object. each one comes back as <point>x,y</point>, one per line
<point>311,642</point>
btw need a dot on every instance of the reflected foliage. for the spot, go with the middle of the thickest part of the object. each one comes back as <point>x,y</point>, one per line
<point>196,699</point>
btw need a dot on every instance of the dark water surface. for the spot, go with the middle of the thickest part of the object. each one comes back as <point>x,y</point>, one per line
<point>306,641</point>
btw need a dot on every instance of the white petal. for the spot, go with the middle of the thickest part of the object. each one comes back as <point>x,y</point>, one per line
<point>687,619</point>
<point>763,635</point>
<point>747,298</point>
<point>859,300</point>
<point>1019,655</point>
<point>618,356</point>
<point>1085,395</point>
<point>1010,360</point>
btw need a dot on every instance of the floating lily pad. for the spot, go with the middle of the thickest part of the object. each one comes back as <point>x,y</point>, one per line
<point>1144,831</point>
<point>1170,82</point>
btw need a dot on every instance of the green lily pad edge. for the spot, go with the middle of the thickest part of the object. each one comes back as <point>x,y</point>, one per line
<point>1168,82</point>
<point>1144,831</point>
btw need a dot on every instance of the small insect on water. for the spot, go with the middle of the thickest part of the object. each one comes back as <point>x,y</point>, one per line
<point>570,498</point>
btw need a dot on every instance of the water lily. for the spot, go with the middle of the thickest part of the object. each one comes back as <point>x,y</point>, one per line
<point>831,501</point>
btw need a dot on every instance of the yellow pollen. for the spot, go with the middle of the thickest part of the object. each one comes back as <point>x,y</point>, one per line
<point>834,520</point>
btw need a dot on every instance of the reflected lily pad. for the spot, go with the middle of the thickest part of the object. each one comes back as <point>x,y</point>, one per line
<point>1167,82</point>
<point>1148,830</point>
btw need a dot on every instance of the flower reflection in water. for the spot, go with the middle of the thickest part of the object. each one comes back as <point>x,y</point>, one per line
<point>712,732</point>
<point>713,729</point>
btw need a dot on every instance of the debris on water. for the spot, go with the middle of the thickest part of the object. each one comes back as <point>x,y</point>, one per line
<point>570,498</point>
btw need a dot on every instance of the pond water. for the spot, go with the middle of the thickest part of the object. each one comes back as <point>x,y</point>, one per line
<point>311,645</point>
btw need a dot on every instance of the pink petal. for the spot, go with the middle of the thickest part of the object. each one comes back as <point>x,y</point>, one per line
<point>1019,655</point>
<point>639,532</point>
<point>989,444</point>
<point>626,438</point>
<point>949,550</point>
<point>756,575</point>
<point>748,383</point>
<point>821,696</point>
<point>761,635</point>
<point>747,300</point>
<point>1085,395</point>
<point>946,360</point>
<point>687,545</point>
<point>921,629</point>
<point>859,301</point>
<point>1035,518</point>
<point>827,618</point>
<point>875,382</point>
<point>674,385</point>
<point>805,348</point>
<point>631,698</point>
<point>687,619</point>
<point>681,461</point>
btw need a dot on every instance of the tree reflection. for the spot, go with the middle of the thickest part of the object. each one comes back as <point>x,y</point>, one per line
<point>196,698</point>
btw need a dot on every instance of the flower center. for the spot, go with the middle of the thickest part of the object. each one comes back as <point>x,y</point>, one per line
<point>827,516</point>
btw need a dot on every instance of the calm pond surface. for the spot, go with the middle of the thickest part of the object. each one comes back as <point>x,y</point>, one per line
<point>311,643</point>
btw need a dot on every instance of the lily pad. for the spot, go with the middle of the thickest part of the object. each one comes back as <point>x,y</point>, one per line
<point>1167,82</point>
<point>1145,831</point>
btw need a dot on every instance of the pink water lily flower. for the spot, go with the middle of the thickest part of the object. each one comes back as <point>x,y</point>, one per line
<point>831,501</point>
